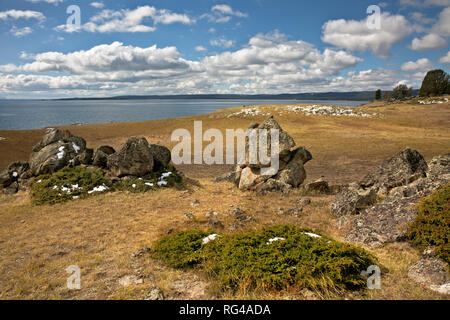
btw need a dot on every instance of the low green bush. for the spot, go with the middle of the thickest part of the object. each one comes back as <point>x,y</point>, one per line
<point>269,258</point>
<point>66,184</point>
<point>432,225</point>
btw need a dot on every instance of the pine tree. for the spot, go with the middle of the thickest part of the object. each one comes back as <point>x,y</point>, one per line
<point>378,94</point>
<point>435,83</point>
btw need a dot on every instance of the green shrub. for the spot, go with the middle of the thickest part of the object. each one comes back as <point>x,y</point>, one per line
<point>180,250</point>
<point>432,225</point>
<point>66,184</point>
<point>249,260</point>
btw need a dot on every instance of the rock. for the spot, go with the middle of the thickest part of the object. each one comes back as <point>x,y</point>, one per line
<point>249,178</point>
<point>286,143</point>
<point>272,185</point>
<point>300,153</point>
<point>57,135</point>
<point>195,203</point>
<point>85,157</point>
<point>215,223</point>
<point>101,154</point>
<point>52,158</point>
<point>319,186</point>
<point>401,169</point>
<point>14,172</point>
<point>431,272</point>
<point>141,252</point>
<point>129,280</point>
<point>383,223</point>
<point>439,168</point>
<point>133,159</point>
<point>188,289</point>
<point>12,188</point>
<point>161,156</point>
<point>352,200</point>
<point>295,212</point>
<point>155,293</point>
<point>210,214</point>
<point>293,174</point>
<point>304,202</point>
<point>188,215</point>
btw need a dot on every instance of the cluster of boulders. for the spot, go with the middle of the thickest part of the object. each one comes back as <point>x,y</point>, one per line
<point>290,174</point>
<point>379,208</point>
<point>59,148</point>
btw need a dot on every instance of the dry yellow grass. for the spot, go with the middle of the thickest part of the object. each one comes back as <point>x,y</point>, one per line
<point>98,234</point>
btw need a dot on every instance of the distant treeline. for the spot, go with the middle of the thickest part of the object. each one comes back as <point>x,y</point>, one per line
<point>352,96</point>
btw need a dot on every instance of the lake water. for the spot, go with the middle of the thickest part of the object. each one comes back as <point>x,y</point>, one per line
<point>35,114</point>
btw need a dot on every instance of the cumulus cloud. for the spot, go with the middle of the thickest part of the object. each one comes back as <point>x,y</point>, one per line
<point>428,42</point>
<point>98,5</point>
<point>223,13</point>
<point>200,48</point>
<point>21,14</point>
<point>355,35</point>
<point>269,63</point>
<point>445,59</point>
<point>222,42</point>
<point>20,32</point>
<point>442,26</point>
<point>55,2</point>
<point>426,3</point>
<point>127,20</point>
<point>419,65</point>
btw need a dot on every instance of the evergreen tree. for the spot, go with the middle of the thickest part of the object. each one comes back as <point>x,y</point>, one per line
<point>378,94</point>
<point>401,91</point>
<point>435,83</point>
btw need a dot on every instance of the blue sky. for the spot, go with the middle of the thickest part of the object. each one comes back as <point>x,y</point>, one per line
<point>200,46</point>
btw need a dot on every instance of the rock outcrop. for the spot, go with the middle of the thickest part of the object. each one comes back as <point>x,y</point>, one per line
<point>134,159</point>
<point>253,175</point>
<point>384,219</point>
<point>59,148</point>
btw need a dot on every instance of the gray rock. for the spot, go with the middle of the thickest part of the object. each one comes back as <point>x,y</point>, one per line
<point>401,169</point>
<point>431,272</point>
<point>439,168</point>
<point>133,159</point>
<point>293,174</point>
<point>383,223</point>
<point>352,200</point>
<point>57,135</point>
<point>14,172</point>
<point>52,158</point>
<point>250,177</point>
<point>101,154</point>
<point>319,186</point>
<point>155,294</point>
<point>84,157</point>
<point>161,156</point>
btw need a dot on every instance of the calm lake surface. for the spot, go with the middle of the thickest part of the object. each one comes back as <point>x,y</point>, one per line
<point>36,114</point>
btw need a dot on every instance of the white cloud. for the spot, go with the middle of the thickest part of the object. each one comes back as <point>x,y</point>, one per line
<point>355,35</point>
<point>445,59</point>
<point>420,65</point>
<point>127,20</point>
<point>55,2</point>
<point>223,13</point>
<point>20,32</point>
<point>426,3</point>
<point>442,26</point>
<point>269,63</point>
<point>428,42</point>
<point>98,5</point>
<point>21,14</point>
<point>200,48</point>
<point>222,42</point>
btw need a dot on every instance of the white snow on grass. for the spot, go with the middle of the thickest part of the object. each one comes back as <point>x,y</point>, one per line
<point>133,185</point>
<point>75,147</point>
<point>149,184</point>
<point>249,112</point>
<point>75,197</point>
<point>209,238</point>
<point>312,235</point>
<point>162,183</point>
<point>166,174</point>
<point>61,153</point>
<point>1,138</point>
<point>275,239</point>
<point>98,189</point>
<point>433,101</point>
<point>15,174</point>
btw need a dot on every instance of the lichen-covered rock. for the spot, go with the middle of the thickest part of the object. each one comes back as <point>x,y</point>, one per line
<point>383,223</point>
<point>101,154</point>
<point>439,168</point>
<point>250,177</point>
<point>401,169</point>
<point>51,158</point>
<point>85,157</point>
<point>13,173</point>
<point>134,159</point>
<point>431,272</point>
<point>293,174</point>
<point>319,186</point>
<point>272,185</point>
<point>161,156</point>
<point>352,200</point>
<point>57,135</point>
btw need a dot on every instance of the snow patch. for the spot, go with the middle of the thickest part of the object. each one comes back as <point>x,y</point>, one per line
<point>98,189</point>
<point>275,239</point>
<point>312,235</point>
<point>75,147</point>
<point>61,153</point>
<point>209,238</point>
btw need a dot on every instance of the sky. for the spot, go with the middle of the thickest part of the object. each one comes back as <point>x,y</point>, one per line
<point>69,48</point>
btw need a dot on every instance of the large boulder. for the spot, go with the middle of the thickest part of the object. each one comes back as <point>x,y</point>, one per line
<point>352,200</point>
<point>53,157</point>
<point>100,157</point>
<point>57,135</point>
<point>161,156</point>
<point>439,168</point>
<point>293,174</point>
<point>431,272</point>
<point>319,186</point>
<point>401,169</point>
<point>250,177</point>
<point>134,159</point>
<point>383,223</point>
